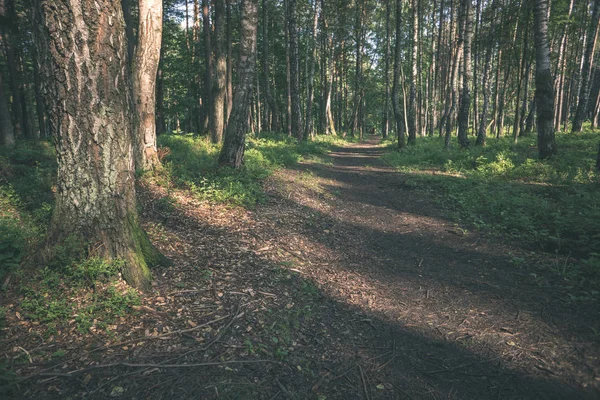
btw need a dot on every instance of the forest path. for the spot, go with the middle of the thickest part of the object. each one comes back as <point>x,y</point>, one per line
<point>444,299</point>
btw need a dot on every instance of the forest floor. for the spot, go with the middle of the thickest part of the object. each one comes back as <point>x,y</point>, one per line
<point>345,284</point>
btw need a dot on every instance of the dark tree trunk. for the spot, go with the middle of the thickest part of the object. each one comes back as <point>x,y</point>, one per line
<point>413,107</point>
<point>386,107</point>
<point>229,63</point>
<point>584,90</point>
<point>219,89</point>
<point>232,152</point>
<point>7,133</point>
<point>145,67</point>
<point>398,113</point>
<point>308,128</point>
<point>89,112</point>
<point>208,63</point>
<point>465,96</point>
<point>544,92</point>
<point>294,71</point>
<point>266,74</point>
<point>288,70</point>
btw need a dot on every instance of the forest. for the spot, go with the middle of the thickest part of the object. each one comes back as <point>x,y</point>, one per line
<point>300,199</point>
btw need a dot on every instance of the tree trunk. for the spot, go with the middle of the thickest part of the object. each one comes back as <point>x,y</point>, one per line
<point>229,83</point>
<point>584,90</point>
<point>232,152</point>
<point>219,89</point>
<point>89,111</point>
<point>308,129</point>
<point>147,58</point>
<point>160,106</point>
<point>465,96</point>
<point>398,114</point>
<point>297,131</point>
<point>208,63</point>
<point>7,133</point>
<point>266,74</point>
<point>412,107</point>
<point>386,107</point>
<point>544,93</point>
<point>288,70</point>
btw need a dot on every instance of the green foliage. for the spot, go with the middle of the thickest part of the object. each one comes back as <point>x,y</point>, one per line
<point>192,163</point>
<point>550,204</point>
<point>58,295</point>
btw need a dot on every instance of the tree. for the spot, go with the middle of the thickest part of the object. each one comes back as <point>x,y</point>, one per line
<point>398,114</point>
<point>584,89</point>
<point>218,109</point>
<point>413,107</point>
<point>544,91</point>
<point>296,124</point>
<point>145,67</point>
<point>7,133</point>
<point>232,152</point>
<point>465,96</point>
<point>86,85</point>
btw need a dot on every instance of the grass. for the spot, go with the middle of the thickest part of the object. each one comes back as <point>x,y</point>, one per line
<point>553,205</point>
<point>192,163</point>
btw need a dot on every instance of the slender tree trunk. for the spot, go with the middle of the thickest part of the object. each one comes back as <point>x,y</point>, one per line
<point>465,97</point>
<point>232,152</point>
<point>265,64</point>
<point>584,90</point>
<point>219,88</point>
<point>485,87</point>
<point>147,58</point>
<point>288,71</point>
<point>544,93</point>
<point>90,113</point>
<point>412,103</point>
<point>398,114</point>
<point>39,98</point>
<point>386,107</point>
<point>208,63</point>
<point>297,131</point>
<point>308,128</point>
<point>7,133</point>
<point>561,66</point>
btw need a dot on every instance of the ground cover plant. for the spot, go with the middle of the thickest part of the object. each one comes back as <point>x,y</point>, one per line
<point>503,188</point>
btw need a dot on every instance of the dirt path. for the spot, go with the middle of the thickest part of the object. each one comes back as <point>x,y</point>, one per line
<point>345,284</point>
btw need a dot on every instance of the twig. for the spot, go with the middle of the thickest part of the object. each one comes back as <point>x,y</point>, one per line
<point>133,365</point>
<point>283,389</point>
<point>362,378</point>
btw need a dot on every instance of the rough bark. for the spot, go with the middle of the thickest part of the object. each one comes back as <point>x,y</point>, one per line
<point>229,83</point>
<point>219,88</point>
<point>83,61</point>
<point>584,90</point>
<point>160,105</point>
<point>288,70</point>
<point>398,113</point>
<point>386,107</point>
<point>208,64</point>
<point>294,71</point>
<point>544,92</point>
<point>232,152</point>
<point>145,67</point>
<point>465,96</point>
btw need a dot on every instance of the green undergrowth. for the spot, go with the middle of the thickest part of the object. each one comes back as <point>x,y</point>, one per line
<point>503,188</point>
<point>86,295</point>
<point>192,163</point>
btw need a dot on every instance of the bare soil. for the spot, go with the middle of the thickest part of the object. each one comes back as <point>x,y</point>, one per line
<point>346,284</point>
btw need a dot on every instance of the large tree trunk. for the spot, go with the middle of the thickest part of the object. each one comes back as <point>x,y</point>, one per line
<point>544,93</point>
<point>160,97</point>
<point>218,109</point>
<point>89,106</point>
<point>7,132</point>
<point>145,67</point>
<point>398,113</point>
<point>584,90</point>
<point>465,96</point>
<point>232,152</point>
<point>294,71</point>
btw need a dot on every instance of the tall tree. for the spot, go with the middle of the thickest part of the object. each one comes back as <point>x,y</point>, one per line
<point>89,112</point>
<point>465,95</point>
<point>7,132</point>
<point>413,106</point>
<point>208,64</point>
<point>297,131</point>
<point>145,67</point>
<point>232,152</point>
<point>584,89</point>
<point>308,128</point>
<point>386,104</point>
<point>544,91</point>
<point>218,109</point>
<point>266,75</point>
<point>398,113</point>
